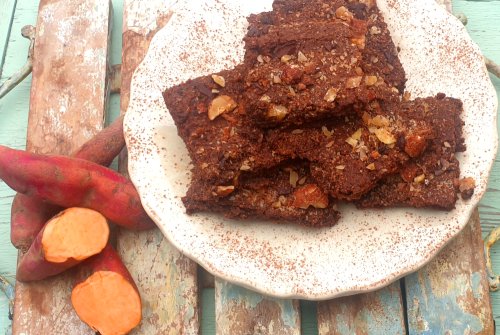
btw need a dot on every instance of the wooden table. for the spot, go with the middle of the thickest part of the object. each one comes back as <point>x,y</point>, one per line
<point>452,287</point>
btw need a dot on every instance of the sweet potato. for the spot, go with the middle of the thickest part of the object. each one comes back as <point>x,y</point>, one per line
<point>29,214</point>
<point>105,296</point>
<point>72,182</point>
<point>68,238</point>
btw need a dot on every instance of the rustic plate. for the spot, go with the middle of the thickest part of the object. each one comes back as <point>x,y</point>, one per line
<point>368,248</point>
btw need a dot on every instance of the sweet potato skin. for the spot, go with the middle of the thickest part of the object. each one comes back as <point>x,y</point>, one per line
<point>29,214</point>
<point>72,182</point>
<point>33,266</point>
<point>107,260</point>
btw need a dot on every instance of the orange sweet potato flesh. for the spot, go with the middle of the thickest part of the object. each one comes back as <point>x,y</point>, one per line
<point>67,239</point>
<point>29,214</point>
<point>71,182</point>
<point>105,296</point>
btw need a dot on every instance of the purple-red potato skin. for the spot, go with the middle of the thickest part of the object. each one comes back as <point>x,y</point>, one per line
<point>29,214</point>
<point>72,182</point>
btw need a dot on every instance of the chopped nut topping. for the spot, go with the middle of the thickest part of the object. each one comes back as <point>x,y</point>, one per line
<point>371,166</point>
<point>447,145</point>
<point>419,179</point>
<point>367,119</point>
<point>360,42</point>
<point>375,154</point>
<point>302,180</point>
<point>301,57</point>
<point>384,136</point>
<point>219,80</point>
<point>359,71</point>
<point>276,79</point>
<point>286,58</point>
<point>331,94</point>
<point>223,191</point>
<point>221,104</point>
<point>294,177</point>
<point>260,59</point>
<point>330,144</point>
<point>265,98</point>
<point>380,121</point>
<point>326,132</point>
<point>466,187</point>
<point>215,91</point>
<point>204,165</point>
<point>297,131</point>
<point>415,145</point>
<point>245,166</point>
<point>353,82</point>
<point>343,14</point>
<point>340,167</point>
<point>352,142</point>
<point>407,97</point>
<point>357,134</point>
<point>374,30</point>
<point>371,80</point>
<point>309,195</point>
<point>277,111</point>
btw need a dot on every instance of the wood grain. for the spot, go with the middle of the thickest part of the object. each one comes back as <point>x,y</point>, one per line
<point>166,279</point>
<point>240,312</point>
<point>67,107</point>
<point>376,313</point>
<point>450,295</point>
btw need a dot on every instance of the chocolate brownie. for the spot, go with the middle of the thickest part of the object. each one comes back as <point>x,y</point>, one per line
<point>351,154</point>
<point>309,60</point>
<point>220,146</point>
<point>429,180</point>
<point>380,56</point>
<point>283,193</point>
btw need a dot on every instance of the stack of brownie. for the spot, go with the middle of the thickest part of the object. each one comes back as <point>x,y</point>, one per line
<point>316,114</point>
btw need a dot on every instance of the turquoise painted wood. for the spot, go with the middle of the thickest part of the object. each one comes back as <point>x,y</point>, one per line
<point>7,8</point>
<point>375,313</point>
<point>13,122</point>
<point>238,311</point>
<point>483,27</point>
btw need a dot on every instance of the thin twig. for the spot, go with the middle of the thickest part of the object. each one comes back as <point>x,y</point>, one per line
<point>16,78</point>
<point>493,67</point>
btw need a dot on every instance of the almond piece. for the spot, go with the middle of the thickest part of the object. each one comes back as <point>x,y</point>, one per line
<point>331,94</point>
<point>415,145</point>
<point>221,104</point>
<point>309,195</point>
<point>219,80</point>
<point>223,191</point>
<point>343,13</point>
<point>384,136</point>
<point>277,111</point>
<point>353,82</point>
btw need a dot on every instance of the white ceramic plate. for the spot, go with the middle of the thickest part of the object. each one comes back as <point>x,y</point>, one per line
<point>367,249</point>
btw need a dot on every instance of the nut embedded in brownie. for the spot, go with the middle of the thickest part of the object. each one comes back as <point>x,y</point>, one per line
<point>429,180</point>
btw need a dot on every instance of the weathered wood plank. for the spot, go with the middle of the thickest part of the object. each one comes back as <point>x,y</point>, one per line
<point>450,295</point>
<point>240,312</point>
<point>376,313</point>
<point>166,279</point>
<point>7,8</point>
<point>67,107</point>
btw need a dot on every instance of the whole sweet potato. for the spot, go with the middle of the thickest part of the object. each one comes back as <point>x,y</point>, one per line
<point>72,182</point>
<point>29,214</point>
